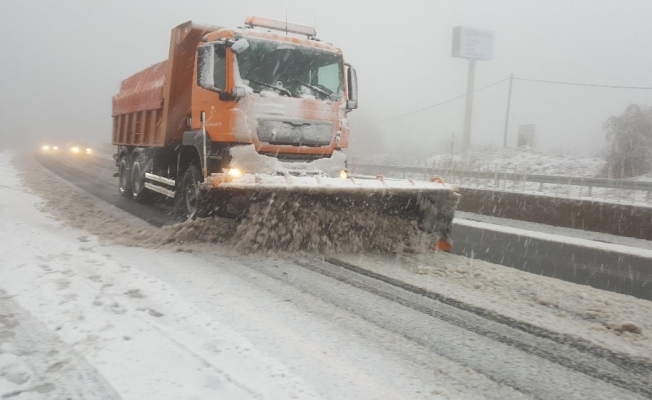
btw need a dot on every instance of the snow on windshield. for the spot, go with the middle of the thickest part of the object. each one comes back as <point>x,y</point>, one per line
<point>298,71</point>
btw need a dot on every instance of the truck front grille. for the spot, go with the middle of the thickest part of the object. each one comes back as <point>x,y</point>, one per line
<point>308,133</point>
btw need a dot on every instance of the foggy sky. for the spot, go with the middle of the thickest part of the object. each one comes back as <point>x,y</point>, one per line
<point>62,61</point>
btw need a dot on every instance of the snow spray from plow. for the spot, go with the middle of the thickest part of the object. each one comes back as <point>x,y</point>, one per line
<point>336,223</point>
<point>294,206</point>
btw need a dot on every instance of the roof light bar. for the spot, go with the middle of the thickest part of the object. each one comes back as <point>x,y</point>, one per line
<point>281,26</point>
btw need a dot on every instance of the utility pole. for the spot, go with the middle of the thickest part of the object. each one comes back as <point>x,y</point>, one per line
<point>452,146</point>
<point>509,102</point>
<point>468,111</point>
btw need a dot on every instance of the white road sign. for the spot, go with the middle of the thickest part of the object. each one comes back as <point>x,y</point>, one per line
<point>471,43</point>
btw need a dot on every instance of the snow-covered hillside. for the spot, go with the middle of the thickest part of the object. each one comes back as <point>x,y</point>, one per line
<point>501,159</point>
<point>522,163</point>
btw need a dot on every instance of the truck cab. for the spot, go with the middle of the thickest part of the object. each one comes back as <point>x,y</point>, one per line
<point>286,95</point>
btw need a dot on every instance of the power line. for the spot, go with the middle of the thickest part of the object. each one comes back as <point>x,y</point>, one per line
<point>439,104</point>
<point>516,79</point>
<point>584,84</point>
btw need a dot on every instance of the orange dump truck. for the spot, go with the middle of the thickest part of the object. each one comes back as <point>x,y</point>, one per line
<point>249,112</point>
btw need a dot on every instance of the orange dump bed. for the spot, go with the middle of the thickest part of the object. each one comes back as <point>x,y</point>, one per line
<point>138,108</point>
<point>153,105</point>
<point>142,91</point>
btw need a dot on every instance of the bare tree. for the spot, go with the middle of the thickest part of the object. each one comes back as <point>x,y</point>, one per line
<point>629,135</point>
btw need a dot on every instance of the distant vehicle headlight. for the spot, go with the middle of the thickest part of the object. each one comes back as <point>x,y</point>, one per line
<point>74,149</point>
<point>55,148</point>
<point>89,151</point>
<point>46,147</point>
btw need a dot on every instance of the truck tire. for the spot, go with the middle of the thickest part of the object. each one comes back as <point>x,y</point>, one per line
<point>124,178</point>
<point>191,202</point>
<point>138,190</point>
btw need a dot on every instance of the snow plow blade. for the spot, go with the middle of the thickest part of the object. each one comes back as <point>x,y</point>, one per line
<point>428,205</point>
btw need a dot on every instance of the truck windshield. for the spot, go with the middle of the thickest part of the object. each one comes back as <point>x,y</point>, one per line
<point>290,69</point>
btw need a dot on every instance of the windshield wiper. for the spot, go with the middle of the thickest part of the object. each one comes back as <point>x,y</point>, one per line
<point>317,88</point>
<point>280,89</point>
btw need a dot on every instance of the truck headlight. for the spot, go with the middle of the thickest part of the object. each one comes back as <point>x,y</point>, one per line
<point>344,174</point>
<point>74,149</point>
<point>234,173</point>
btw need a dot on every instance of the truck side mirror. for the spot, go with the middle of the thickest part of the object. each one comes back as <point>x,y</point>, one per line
<point>238,92</point>
<point>211,66</point>
<point>238,46</point>
<point>352,87</point>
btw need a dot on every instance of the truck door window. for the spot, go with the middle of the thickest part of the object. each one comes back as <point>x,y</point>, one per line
<point>329,77</point>
<point>219,73</point>
<point>211,67</point>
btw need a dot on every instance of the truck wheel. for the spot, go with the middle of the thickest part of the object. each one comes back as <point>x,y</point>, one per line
<point>138,190</point>
<point>192,203</point>
<point>124,183</point>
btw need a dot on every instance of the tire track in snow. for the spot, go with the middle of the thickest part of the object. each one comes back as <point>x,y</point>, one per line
<point>622,370</point>
<point>41,364</point>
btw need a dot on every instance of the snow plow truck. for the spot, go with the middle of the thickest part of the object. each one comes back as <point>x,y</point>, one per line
<point>239,115</point>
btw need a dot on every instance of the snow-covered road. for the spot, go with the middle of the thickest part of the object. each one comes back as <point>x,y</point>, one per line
<point>196,322</point>
<point>143,339</point>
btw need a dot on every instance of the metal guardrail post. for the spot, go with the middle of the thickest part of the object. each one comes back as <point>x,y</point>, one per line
<point>569,188</point>
<point>462,176</point>
<point>505,178</point>
<point>496,179</point>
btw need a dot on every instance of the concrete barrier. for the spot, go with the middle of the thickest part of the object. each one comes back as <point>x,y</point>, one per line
<point>590,215</point>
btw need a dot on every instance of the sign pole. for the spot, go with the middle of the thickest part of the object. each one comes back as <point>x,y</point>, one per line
<point>468,111</point>
<point>472,44</point>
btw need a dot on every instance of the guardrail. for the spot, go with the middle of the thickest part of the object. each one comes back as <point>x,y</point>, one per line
<point>458,176</point>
